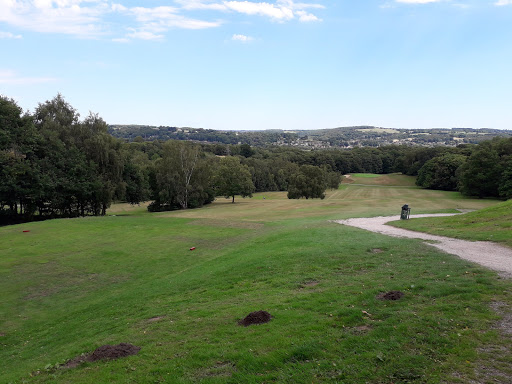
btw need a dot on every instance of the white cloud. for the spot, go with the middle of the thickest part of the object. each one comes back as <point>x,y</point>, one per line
<point>144,35</point>
<point>75,17</point>
<point>97,18</point>
<point>307,17</point>
<point>201,4</point>
<point>10,77</point>
<point>503,2</point>
<point>418,1</point>
<point>242,38</point>
<point>282,10</point>
<point>155,21</point>
<point>9,35</point>
<point>260,9</point>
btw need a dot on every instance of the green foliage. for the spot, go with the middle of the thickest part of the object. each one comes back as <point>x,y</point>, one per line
<point>233,178</point>
<point>308,182</point>
<point>505,186</point>
<point>246,150</point>
<point>441,172</point>
<point>183,178</point>
<point>487,171</point>
<point>55,165</point>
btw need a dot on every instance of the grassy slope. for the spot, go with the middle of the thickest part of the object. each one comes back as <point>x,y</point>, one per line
<point>393,179</point>
<point>492,224</point>
<point>70,286</point>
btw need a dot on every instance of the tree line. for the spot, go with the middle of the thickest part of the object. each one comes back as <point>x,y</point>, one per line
<point>55,164</point>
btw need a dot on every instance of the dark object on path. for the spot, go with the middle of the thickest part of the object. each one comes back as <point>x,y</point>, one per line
<point>406,211</point>
<point>105,352</point>
<point>259,317</point>
<point>391,295</point>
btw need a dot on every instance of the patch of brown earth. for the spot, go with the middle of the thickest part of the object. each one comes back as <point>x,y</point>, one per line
<point>376,250</point>
<point>258,317</point>
<point>391,295</point>
<point>105,352</point>
<point>308,283</point>
<point>220,369</point>
<point>505,324</point>
<point>111,352</point>
<point>361,329</point>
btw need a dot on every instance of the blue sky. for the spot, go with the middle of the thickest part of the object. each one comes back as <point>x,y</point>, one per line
<point>274,64</point>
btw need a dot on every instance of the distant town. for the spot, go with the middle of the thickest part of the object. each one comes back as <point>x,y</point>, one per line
<point>345,137</point>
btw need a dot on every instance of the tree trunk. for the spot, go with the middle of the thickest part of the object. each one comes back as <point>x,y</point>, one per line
<point>233,199</point>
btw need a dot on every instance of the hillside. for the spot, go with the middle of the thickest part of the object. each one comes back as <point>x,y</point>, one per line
<point>70,286</point>
<point>346,137</point>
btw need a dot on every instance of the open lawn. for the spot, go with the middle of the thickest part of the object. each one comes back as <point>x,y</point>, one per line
<point>392,179</point>
<point>490,224</point>
<point>70,286</point>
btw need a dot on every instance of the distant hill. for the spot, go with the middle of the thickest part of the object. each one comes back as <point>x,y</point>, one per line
<point>345,137</point>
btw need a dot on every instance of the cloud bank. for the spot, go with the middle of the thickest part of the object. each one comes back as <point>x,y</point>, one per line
<point>120,22</point>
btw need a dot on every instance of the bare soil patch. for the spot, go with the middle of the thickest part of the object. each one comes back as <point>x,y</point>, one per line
<point>258,317</point>
<point>105,352</point>
<point>505,324</point>
<point>391,295</point>
<point>308,283</point>
<point>361,329</point>
<point>155,319</point>
<point>222,369</point>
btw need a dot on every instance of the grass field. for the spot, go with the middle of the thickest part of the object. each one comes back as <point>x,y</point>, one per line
<point>70,286</point>
<point>389,180</point>
<point>490,224</point>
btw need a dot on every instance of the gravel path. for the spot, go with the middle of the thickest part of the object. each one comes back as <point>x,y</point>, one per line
<point>490,255</point>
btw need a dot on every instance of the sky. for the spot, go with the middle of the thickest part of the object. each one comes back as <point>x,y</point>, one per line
<point>273,64</point>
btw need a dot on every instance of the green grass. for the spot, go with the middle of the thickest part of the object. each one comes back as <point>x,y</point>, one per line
<point>366,175</point>
<point>393,179</point>
<point>489,224</point>
<point>69,286</point>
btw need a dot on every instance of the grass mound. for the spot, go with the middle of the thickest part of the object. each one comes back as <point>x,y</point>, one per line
<point>258,317</point>
<point>105,352</point>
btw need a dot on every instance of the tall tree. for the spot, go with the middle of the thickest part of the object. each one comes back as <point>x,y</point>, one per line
<point>233,178</point>
<point>18,141</point>
<point>182,177</point>
<point>441,172</point>
<point>308,182</point>
<point>480,175</point>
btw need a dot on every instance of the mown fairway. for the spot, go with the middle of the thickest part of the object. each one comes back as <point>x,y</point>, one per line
<point>70,286</point>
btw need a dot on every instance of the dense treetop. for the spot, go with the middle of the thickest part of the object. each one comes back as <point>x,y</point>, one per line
<point>55,164</point>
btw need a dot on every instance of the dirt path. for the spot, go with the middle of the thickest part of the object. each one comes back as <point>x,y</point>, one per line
<point>490,255</point>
